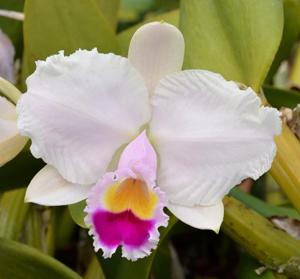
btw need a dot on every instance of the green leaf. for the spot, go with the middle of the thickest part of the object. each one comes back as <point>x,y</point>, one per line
<point>136,5</point>
<point>13,213</point>
<point>41,228</point>
<point>132,10</point>
<point>290,34</point>
<point>162,264</point>
<point>110,11</point>
<point>53,25</point>
<point>77,213</point>
<point>236,38</point>
<point>117,267</point>
<point>125,36</point>
<point>294,75</point>
<point>94,270</point>
<point>64,226</point>
<point>281,98</point>
<point>263,208</point>
<point>167,4</point>
<point>19,261</point>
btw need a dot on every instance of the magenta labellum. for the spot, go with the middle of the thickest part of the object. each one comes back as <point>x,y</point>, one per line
<point>125,208</point>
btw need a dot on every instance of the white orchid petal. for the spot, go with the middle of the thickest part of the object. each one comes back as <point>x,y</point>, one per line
<point>7,53</point>
<point>80,109</point>
<point>48,187</point>
<point>156,49</point>
<point>200,217</point>
<point>210,135</point>
<point>10,142</point>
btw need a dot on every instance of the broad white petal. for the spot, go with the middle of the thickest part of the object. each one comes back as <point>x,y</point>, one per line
<point>210,135</point>
<point>11,143</point>
<point>200,217</point>
<point>48,187</point>
<point>7,53</point>
<point>80,109</point>
<point>156,49</point>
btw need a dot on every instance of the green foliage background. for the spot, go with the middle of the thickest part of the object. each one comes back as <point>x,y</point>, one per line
<point>244,40</point>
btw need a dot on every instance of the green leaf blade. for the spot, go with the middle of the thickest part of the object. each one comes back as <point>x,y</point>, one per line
<point>20,261</point>
<point>110,11</point>
<point>281,98</point>
<point>236,38</point>
<point>64,25</point>
<point>13,213</point>
<point>265,209</point>
<point>77,213</point>
<point>290,34</point>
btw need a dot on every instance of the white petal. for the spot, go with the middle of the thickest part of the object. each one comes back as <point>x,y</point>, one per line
<point>10,142</point>
<point>200,217</point>
<point>7,53</point>
<point>156,49</point>
<point>80,109</point>
<point>210,135</point>
<point>48,187</point>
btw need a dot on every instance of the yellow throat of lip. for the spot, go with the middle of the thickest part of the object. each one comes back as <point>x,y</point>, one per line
<point>131,194</point>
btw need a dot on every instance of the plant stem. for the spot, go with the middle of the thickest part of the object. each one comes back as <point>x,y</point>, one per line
<point>271,246</point>
<point>286,166</point>
<point>13,213</point>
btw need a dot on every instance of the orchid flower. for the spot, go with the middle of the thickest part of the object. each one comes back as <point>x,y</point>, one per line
<point>11,143</point>
<point>185,138</point>
<point>7,54</point>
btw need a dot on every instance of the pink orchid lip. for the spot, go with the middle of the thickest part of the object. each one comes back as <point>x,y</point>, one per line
<point>124,228</point>
<point>125,208</point>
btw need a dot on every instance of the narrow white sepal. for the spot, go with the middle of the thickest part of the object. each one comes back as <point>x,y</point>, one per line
<point>7,54</point>
<point>200,217</point>
<point>48,187</point>
<point>156,49</point>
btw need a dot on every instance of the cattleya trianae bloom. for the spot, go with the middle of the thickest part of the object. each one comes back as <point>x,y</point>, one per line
<point>7,54</point>
<point>11,143</point>
<point>185,139</point>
